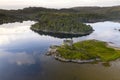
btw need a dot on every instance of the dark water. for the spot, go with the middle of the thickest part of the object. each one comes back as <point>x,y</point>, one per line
<point>22,55</point>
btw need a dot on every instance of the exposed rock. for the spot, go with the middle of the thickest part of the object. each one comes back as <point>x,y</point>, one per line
<point>53,51</point>
<point>76,61</point>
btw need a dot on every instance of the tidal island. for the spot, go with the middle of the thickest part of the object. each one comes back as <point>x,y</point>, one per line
<point>84,51</point>
<point>61,23</point>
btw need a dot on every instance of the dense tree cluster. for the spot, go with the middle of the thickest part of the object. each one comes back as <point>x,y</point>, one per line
<point>9,16</point>
<point>61,22</point>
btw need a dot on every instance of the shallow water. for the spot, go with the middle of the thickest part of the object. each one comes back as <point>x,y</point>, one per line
<point>22,55</point>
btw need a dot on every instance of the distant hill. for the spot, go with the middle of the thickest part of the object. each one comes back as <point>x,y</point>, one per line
<point>85,14</point>
<point>111,12</point>
<point>97,9</point>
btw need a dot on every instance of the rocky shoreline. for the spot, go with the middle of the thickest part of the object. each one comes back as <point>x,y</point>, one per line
<point>60,34</point>
<point>76,61</point>
<point>52,51</point>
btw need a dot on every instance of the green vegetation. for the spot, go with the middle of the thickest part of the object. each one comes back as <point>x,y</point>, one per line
<point>111,13</point>
<point>69,21</point>
<point>84,14</point>
<point>89,49</point>
<point>11,16</point>
<point>61,23</point>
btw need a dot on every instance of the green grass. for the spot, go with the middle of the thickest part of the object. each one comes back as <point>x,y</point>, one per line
<point>89,49</point>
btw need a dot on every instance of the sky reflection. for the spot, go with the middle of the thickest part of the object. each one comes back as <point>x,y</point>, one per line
<point>105,31</point>
<point>17,58</point>
<point>22,55</point>
<point>14,31</point>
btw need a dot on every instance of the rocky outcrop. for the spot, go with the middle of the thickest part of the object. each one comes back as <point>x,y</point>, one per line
<point>53,51</point>
<point>76,60</point>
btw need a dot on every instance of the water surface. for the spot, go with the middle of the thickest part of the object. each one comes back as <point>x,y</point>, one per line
<point>22,55</point>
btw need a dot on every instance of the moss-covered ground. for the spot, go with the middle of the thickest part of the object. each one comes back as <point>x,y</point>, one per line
<point>89,49</point>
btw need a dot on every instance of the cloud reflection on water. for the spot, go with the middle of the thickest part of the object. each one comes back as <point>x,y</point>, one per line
<point>104,31</point>
<point>14,31</point>
<point>17,58</point>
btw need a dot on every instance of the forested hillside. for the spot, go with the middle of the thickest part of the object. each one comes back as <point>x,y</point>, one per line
<point>85,14</point>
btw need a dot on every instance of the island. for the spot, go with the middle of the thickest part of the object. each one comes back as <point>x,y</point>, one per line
<point>84,51</point>
<point>61,23</point>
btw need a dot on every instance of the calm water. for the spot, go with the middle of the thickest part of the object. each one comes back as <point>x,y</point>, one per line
<point>22,55</point>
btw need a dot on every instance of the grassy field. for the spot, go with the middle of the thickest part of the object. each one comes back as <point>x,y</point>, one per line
<point>89,49</point>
